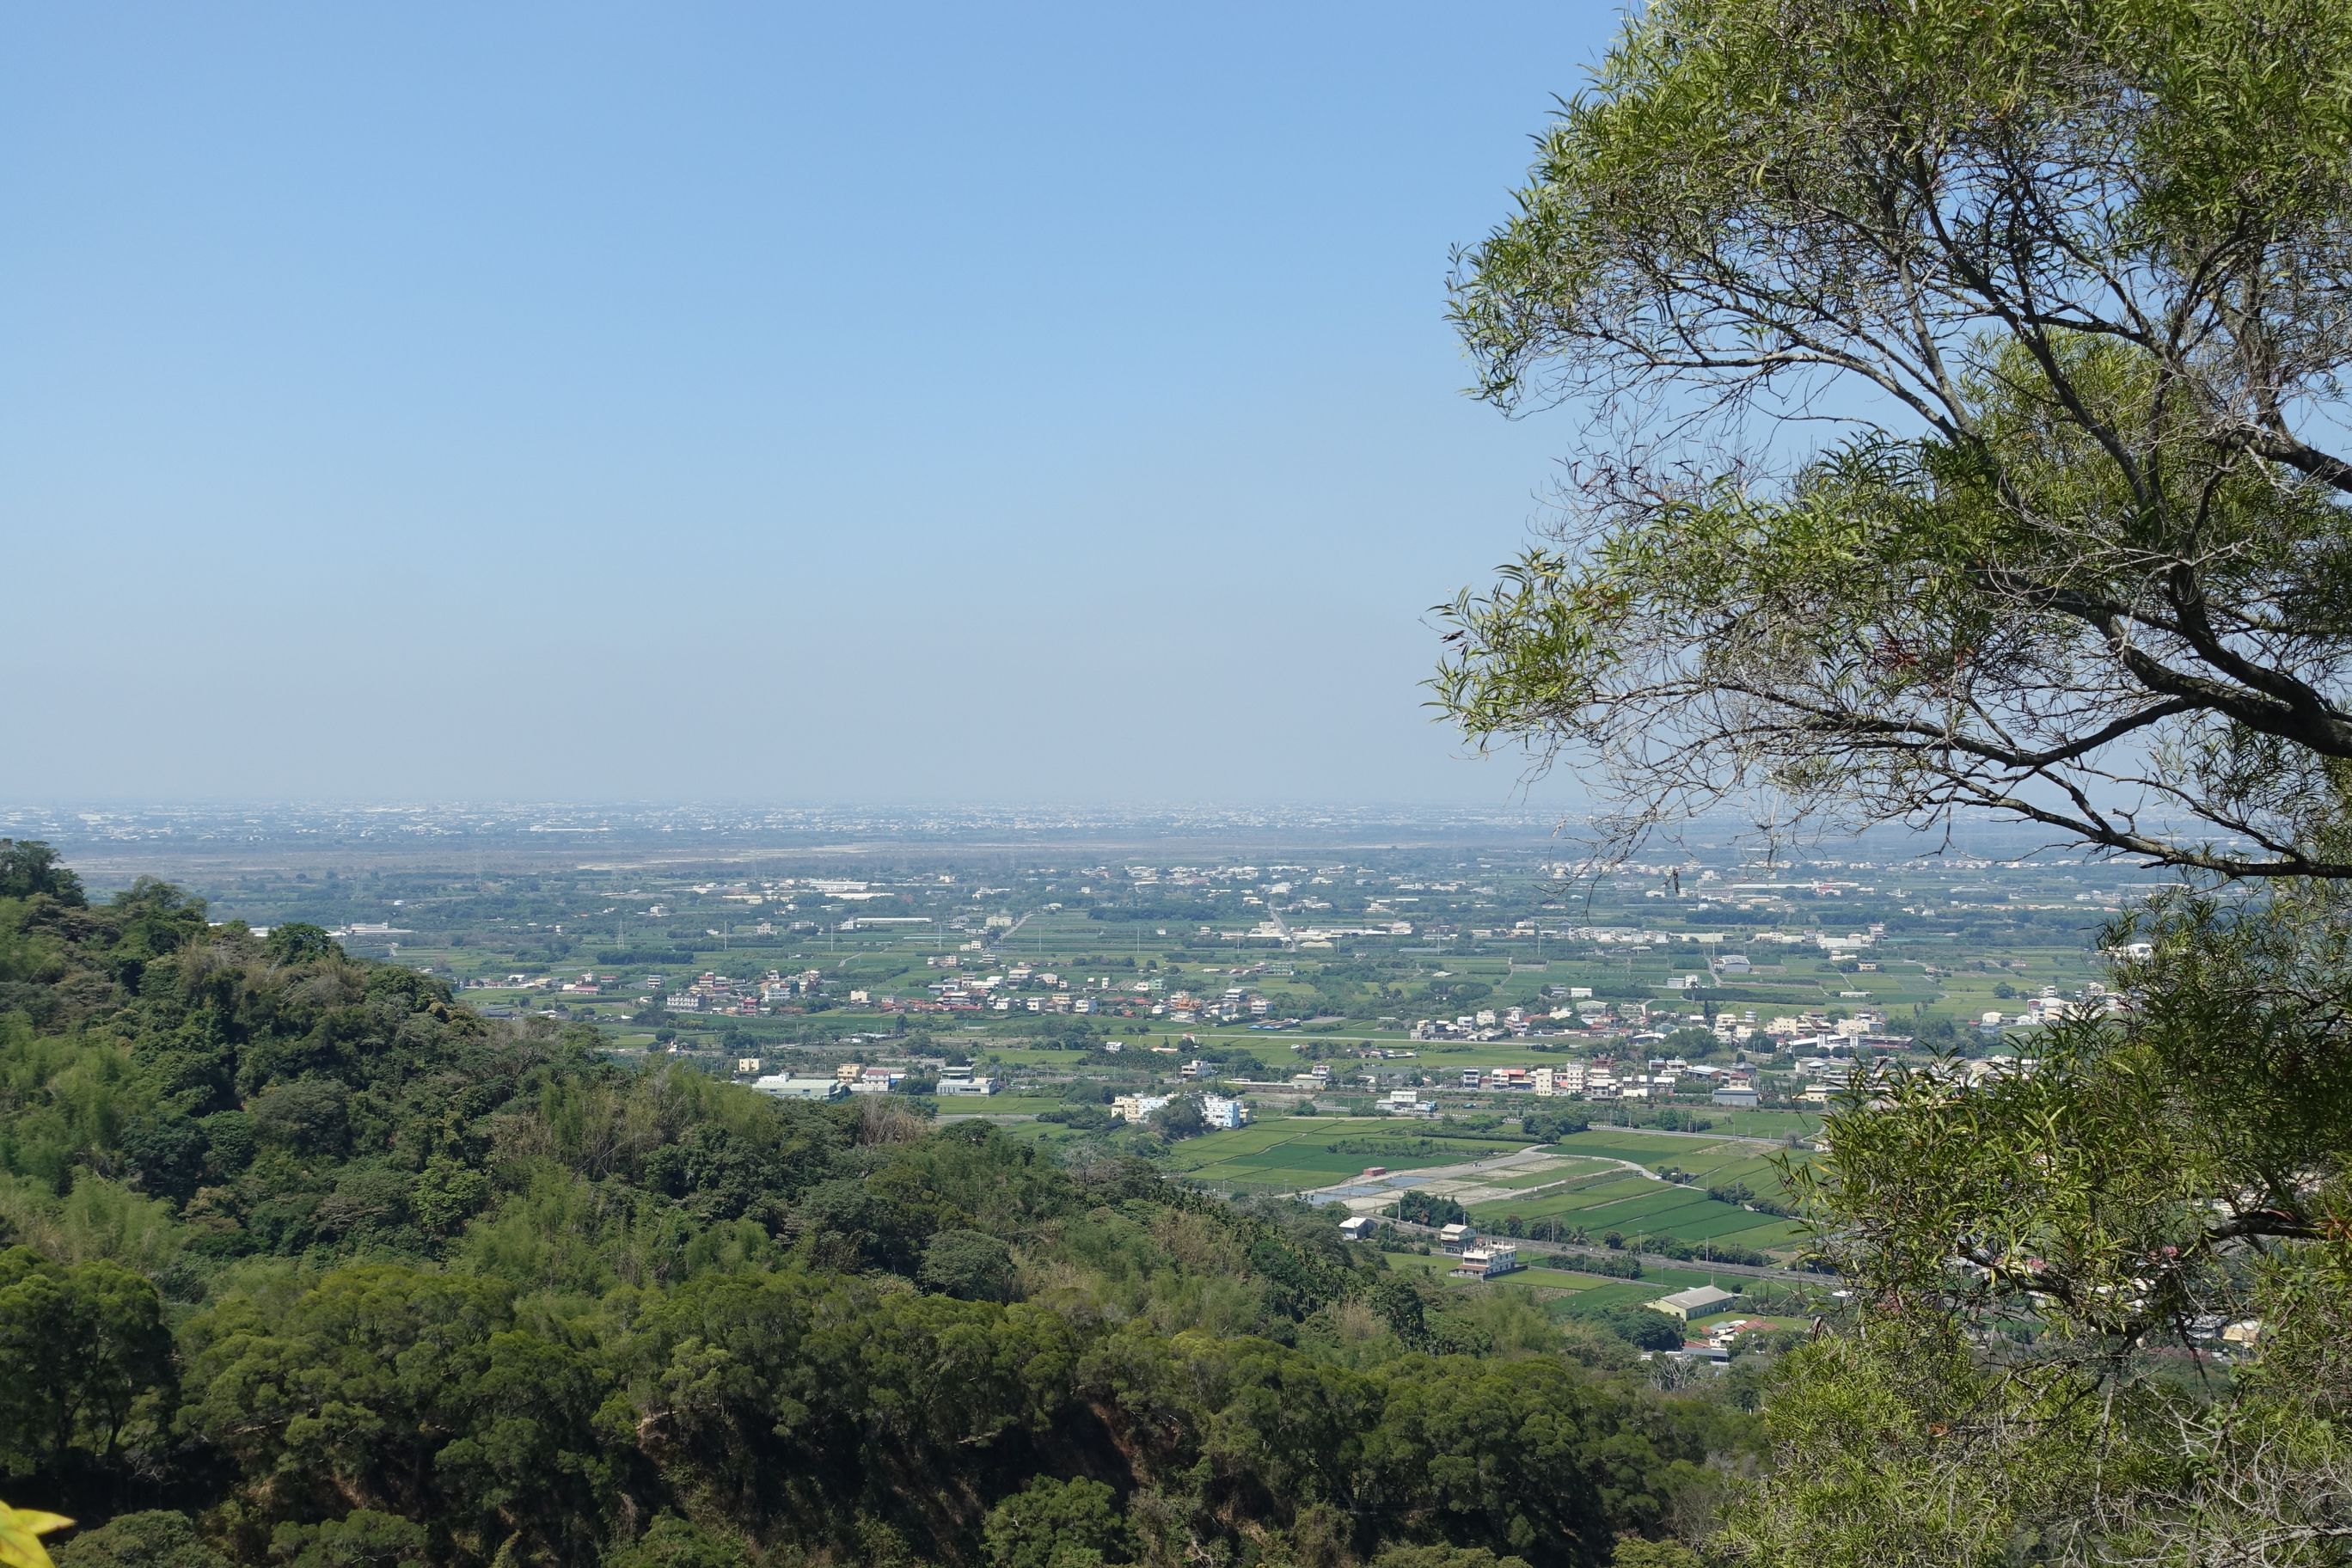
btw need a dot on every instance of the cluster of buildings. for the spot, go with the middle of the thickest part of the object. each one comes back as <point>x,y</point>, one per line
<point>1597,1080</point>
<point>854,1078</point>
<point>1222,1112</point>
<point>1477,1258</point>
<point>1021,988</point>
<point>716,994</point>
<point>2050,1007</point>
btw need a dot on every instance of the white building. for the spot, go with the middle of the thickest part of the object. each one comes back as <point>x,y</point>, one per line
<point>1697,1302</point>
<point>1222,1112</point>
<point>961,1081</point>
<point>1486,1261</point>
<point>784,1087</point>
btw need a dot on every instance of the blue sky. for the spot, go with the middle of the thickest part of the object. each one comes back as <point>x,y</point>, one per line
<point>750,401</point>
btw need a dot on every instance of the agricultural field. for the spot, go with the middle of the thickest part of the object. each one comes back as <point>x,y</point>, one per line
<point>1636,1203</point>
<point>1295,1153</point>
<point>1240,958</point>
<point>1568,1292</point>
<point>1557,1287</point>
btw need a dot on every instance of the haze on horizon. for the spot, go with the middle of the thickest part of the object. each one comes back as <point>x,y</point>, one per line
<point>588,404</point>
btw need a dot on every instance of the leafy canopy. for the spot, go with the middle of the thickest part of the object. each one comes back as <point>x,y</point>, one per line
<point>1962,380</point>
<point>1967,389</point>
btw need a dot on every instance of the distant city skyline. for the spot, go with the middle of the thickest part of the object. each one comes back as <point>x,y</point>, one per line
<point>583,403</point>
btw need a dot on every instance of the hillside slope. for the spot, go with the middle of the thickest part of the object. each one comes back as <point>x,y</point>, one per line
<point>301,1263</point>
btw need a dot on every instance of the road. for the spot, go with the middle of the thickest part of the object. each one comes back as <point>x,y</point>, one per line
<point>1009,932</point>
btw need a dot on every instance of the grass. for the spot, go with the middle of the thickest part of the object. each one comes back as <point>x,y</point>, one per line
<point>1573,1291</point>
<point>1636,1205</point>
<point>1574,1169</point>
<point>1292,1154</point>
<point>1641,1148</point>
<point>1612,1293</point>
<point>1005,1104</point>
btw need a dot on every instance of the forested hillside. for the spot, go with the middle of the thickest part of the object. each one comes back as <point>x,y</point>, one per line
<point>300,1263</point>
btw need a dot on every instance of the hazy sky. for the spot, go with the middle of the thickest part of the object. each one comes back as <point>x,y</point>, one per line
<point>750,400</point>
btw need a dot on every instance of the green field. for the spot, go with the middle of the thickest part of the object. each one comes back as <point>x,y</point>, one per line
<point>1293,1153</point>
<point>1613,1293</point>
<point>1568,1291</point>
<point>1578,1170</point>
<point>1002,1105</point>
<point>1633,1204</point>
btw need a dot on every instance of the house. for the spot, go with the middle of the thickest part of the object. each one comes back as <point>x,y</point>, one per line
<point>1697,1302</point>
<point>1356,1228</point>
<point>1488,1261</point>
<point>1737,1096</point>
<point>1708,1354</point>
<point>959,1081</point>
<point>787,1088</point>
<point>1137,1106</point>
<point>1222,1112</point>
<point>1456,1237</point>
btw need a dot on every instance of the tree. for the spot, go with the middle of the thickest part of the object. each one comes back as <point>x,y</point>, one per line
<point>81,1346</point>
<point>1057,1524</point>
<point>1552,1125</point>
<point>1690,1042</point>
<point>297,942</point>
<point>362,1539</point>
<point>2073,282</point>
<point>155,1539</point>
<point>2072,289</point>
<point>968,1264</point>
<point>28,866</point>
<point>1181,1118</point>
<point>674,1542</point>
<point>1632,1552</point>
<point>1641,1328</point>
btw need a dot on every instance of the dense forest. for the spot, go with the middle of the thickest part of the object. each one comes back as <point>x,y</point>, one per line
<point>301,1263</point>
